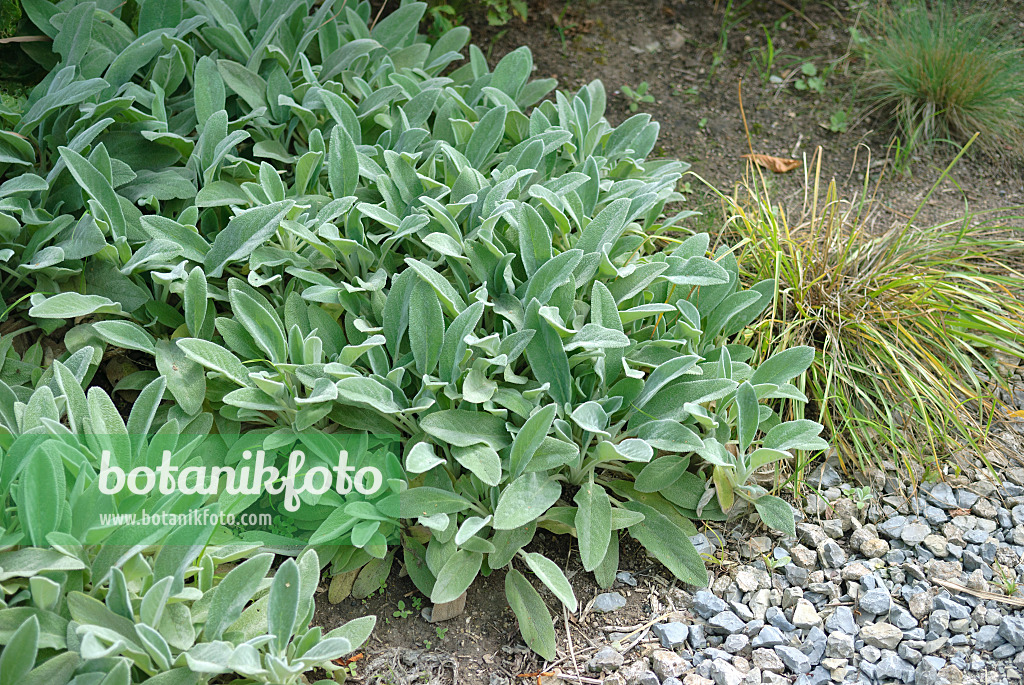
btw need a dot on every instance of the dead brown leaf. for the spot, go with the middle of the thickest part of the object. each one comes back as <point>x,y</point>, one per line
<point>779,165</point>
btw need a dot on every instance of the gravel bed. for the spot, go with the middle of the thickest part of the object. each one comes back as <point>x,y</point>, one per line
<point>905,588</point>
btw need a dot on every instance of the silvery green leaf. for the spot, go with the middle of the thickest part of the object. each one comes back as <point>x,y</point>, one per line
<point>456,576</point>
<point>232,594</point>
<point>694,271</point>
<point>524,500</point>
<point>532,614</point>
<point>747,415</point>
<point>795,435</point>
<point>470,527</point>
<point>593,337</point>
<point>282,610</point>
<point>71,305</point>
<point>186,380</point>
<point>216,358</point>
<point>661,473</point>
<point>669,544</point>
<point>776,514</point>
<point>426,326</point>
<point>670,436</point>
<point>243,234</point>
<point>19,655</point>
<point>552,576</point>
<point>463,428</point>
<point>630,449</point>
<point>209,658</point>
<point>591,416</point>
<point>783,366</point>
<point>477,388</point>
<point>452,301</point>
<point>126,334</point>
<point>421,458</point>
<point>529,439</point>
<point>481,460</point>
<point>357,631</point>
<point>763,456</point>
<point>593,523</point>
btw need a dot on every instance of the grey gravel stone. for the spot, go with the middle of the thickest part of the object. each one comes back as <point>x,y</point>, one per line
<point>831,554</point>
<point>1012,630</point>
<point>666,664</point>
<point>672,635</point>
<point>804,615</point>
<point>876,601</point>
<point>956,610</point>
<point>943,496</point>
<point>767,660</point>
<point>724,673</point>
<point>707,605</point>
<point>842,620</point>
<point>736,643</point>
<point>914,532</point>
<point>938,622</point>
<point>697,638</point>
<point>936,544</point>
<point>891,668</point>
<point>770,636</point>
<point>775,617</point>
<point>626,578</point>
<point>606,602</point>
<point>606,659</point>
<point>987,638</point>
<point>726,623</point>
<point>966,498</point>
<point>926,674</point>
<point>795,660</point>
<point>1004,651</point>
<point>882,635</point>
<point>874,548</point>
<point>814,645</point>
<point>892,527</point>
<point>901,618</point>
<point>839,646</point>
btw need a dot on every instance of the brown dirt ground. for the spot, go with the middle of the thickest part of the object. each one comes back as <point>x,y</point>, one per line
<point>672,45</point>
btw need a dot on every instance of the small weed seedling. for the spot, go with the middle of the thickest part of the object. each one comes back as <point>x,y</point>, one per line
<point>638,96</point>
<point>1007,579</point>
<point>838,121</point>
<point>441,632</point>
<point>774,564</point>
<point>810,80</point>
<point>703,123</point>
<point>402,612</point>
<point>764,58</point>
<point>861,497</point>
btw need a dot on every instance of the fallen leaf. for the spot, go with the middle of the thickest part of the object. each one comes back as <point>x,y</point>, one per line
<point>1017,414</point>
<point>350,660</point>
<point>779,165</point>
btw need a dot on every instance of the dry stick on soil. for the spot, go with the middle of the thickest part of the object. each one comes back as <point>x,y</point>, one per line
<point>957,587</point>
<point>568,637</point>
<point>641,630</point>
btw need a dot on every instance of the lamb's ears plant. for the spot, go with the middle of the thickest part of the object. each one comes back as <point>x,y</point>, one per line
<point>301,226</point>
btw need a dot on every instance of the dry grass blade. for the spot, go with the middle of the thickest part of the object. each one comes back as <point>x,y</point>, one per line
<point>911,325</point>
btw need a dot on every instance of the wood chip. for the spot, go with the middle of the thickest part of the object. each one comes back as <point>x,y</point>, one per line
<point>443,612</point>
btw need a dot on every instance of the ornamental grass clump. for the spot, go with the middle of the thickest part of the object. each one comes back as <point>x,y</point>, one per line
<point>943,73</point>
<point>910,326</point>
